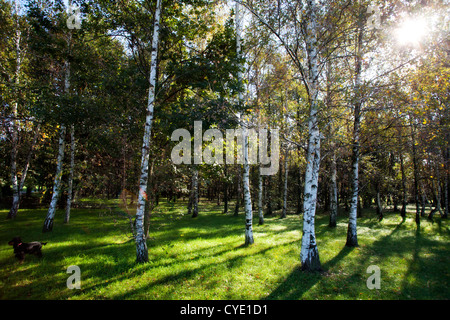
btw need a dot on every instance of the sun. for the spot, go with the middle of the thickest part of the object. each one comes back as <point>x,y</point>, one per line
<point>411,31</point>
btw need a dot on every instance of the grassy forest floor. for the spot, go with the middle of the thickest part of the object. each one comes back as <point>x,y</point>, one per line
<point>204,258</point>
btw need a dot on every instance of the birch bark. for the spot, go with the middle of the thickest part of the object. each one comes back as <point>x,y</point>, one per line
<point>72,165</point>
<point>15,127</point>
<point>239,191</point>
<point>246,167</point>
<point>309,255</point>
<point>285,191</point>
<point>260,199</point>
<point>48,222</point>
<point>352,237</point>
<point>247,197</point>
<point>141,245</point>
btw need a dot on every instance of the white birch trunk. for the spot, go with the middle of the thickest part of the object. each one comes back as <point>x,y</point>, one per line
<point>15,127</point>
<point>247,197</point>
<point>246,167</point>
<point>239,191</point>
<point>260,198</point>
<point>238,51</point>
<point>309,255</point>
<point>72,165</point>
<point>48,223</point>
<point>141,245</point>
<point>286,173</point>
<point>352,237</point>
<point>14,180</point>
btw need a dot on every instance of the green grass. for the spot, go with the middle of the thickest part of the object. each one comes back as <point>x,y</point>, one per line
<point>204,258</point>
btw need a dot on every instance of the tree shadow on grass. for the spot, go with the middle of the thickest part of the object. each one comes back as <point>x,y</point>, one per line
<point>299,282</point>
<point>426,275</point>
<point>198,271</point>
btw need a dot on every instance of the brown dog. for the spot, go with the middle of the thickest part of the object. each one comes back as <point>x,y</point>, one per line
<point>22,248</point>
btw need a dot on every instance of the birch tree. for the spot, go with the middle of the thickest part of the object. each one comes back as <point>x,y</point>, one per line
<point>286,174</point>
<point>352,238</point>
<point>48,222</point>
<point>141,244</point>
<point>309,255</point>
<point>260,198</point>
<point>19,51</point>
<point>246,166</point>
<point>15,128</point>
<point>57,184</point>
<point>295,26</point>
<point>71,172</point>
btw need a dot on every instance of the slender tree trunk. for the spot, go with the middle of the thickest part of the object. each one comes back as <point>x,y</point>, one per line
<point>238,53</point>
<point>260,198</point>
<point>246,167</point>
<point>225,191</point>
<point>424,202</point>
<point>247,197</point>
<point>15,127</point>
<point>333,193</point>
<point>48,223</point>
<point>195,192</point>
<point>286,169</point>
<point>16,201</point>
<point>141,244</point>
<point>191,194</point>
<point>416,176</point>
<point>333,166</point>
<point>239,191</point>
<point>379,206</point>
<point>150,202</point>
<point>437,186</point>
<point>309,254</point>
<point>279,190</point>
<point>14,180</point>
<point>352,237</point>
<point>404,195</point>
<point>446,174</point>
<point>72,165</point>
<point>268,196</point>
